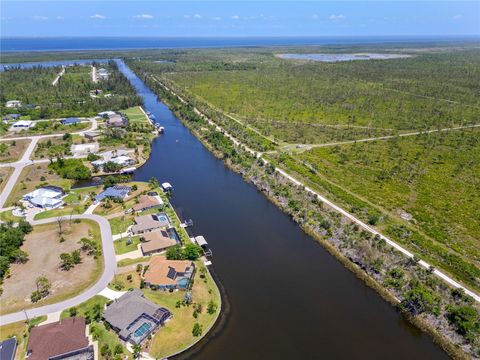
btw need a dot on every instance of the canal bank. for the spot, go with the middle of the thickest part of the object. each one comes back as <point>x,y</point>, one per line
<point>288,296</point>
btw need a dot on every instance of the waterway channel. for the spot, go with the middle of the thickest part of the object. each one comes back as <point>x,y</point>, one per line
<point>288,298</point>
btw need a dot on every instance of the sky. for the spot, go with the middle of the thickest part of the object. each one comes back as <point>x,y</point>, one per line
<point>238,18</point>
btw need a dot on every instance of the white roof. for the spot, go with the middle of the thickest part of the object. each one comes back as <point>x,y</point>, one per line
<point>23,123</point>
<point>200,240</point>
<point>42,192</point>
<point>44,201</point>
<point>108,113</point>
<point>80,147</point>
<point>121,159</point>
<point>98,162</point>
<point>167,185</point>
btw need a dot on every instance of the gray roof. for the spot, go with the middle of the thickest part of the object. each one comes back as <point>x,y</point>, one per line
<point>128,308</point>
<point>7,349</point>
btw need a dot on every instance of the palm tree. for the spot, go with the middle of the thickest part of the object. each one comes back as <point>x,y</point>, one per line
<point>137,350</point>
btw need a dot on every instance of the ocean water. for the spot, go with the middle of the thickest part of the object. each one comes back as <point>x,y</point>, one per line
<point>9,44</point>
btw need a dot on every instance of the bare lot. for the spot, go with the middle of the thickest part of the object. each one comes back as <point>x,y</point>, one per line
<point>5,173</point>
<point>44,248</point>
<point>11,151</point>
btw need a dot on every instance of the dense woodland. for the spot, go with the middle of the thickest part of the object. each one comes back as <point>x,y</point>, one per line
<point>71,97</point>
<point>11,238</point>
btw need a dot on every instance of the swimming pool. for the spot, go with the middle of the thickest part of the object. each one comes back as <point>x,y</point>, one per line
<point>144,328</point>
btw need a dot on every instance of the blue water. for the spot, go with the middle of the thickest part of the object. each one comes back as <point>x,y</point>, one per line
<point>52,63</point>
<point>8,44</point>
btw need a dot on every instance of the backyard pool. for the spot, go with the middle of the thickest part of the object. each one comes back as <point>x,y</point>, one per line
<point>142,330</point>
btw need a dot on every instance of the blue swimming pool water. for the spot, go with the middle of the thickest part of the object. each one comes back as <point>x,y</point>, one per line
<point>142,330</point>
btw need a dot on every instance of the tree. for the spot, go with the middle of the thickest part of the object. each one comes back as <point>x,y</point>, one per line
<point>20,256</point>
<point>72,311</point>
<point>105,351</point>
<point>197,330</point>
<point>67,261</point>
<point>212,307</point>
<point>137,351</point>
<point>43,285</point>
<point>118,349</point>
<point>174,253</point>
<point>76,257</point>
<point>466,321</point>
<point>192,252</point>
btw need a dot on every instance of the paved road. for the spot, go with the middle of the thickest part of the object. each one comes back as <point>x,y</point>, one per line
<point>101,284</point>
<point>25,159</point>
<point>337,208</point>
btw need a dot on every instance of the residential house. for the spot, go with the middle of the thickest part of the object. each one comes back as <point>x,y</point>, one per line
<point>169,274</point>
<point>8,348</point>
<point>23,124</point>
<point>13,104</point>
<point>106,113</point>
<point>84,149</point>
<point>147,202</point>
<point>70,121</point>
<point>146,223</point>
<point>134,318</point>
<point>91,135</point>
<point>117,191</point>
<point>123,160</point>
<point>9,117</point>
<point>156,241</point>
<point>65,339</point>
<point>48,197</point>
<point>117,120</point>
<point>102,74</point>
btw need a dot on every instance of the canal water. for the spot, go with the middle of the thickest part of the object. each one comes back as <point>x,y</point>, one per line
<point>288,298</point>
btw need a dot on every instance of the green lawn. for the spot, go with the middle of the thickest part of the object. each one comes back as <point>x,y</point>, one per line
<point>135,115</point>
<point>121,246</point>
<point>7,215</point>
<point>120,224</point>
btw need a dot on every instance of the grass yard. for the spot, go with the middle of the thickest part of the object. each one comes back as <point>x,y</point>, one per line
<point>120,223</point>
<point>55,145</point>
<point>20,331</point>
<point>11,151</point>
<point>136,116</point>
<point>43,247</point>
<point>34,176</point>
<point>7,216</point>
<point>121,246</point>
<point>176,335</point>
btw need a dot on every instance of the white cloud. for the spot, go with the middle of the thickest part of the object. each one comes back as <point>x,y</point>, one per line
<point>38,17</point>
<point>217,18</point>
<point>457,17</point>
<point>338,17</point>
<point>98,17</point>
<point>60,18</point>
<point>143,17</point>
<point>197,16</point>
<point>235,17</point>
<point>315,17</point>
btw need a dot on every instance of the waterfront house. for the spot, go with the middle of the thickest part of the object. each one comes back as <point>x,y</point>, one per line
<point>150,222</point>
<point>134,318</point>
<point>106,114</point>
<point>117,120</point>
<point>169,274</point>
<point>8,348</point>
<point>70,121</point>
<point>48,197</point>
<point>157,241</point>
<point>147,202</point>
<point>123,160</point>
<point>117,192</point>
<point>65,339</point>
<point>13,104</point>
<point>102,74</point>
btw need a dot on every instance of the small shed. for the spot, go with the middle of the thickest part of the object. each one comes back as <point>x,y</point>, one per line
<point>166,186</point>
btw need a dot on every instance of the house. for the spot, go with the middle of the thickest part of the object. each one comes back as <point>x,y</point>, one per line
<point>169,274</point>
<point>84,149</point>
<point>117,191</point>
<point>134,318</point>
<point>8,348</point>
<point>70,121</point>
<point>23,124</point>
<point>150,222</point>
<point>106,113</point>
<point>48,197</point>
<point>64,339</point>
<point>11,117</point>
<point>117,120</point>
<point>147,202</point>
<point>156,241</point>
<point>91,135</point>
<point>123,160</point>
<point>13,104</point>
<point>102,74</point>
